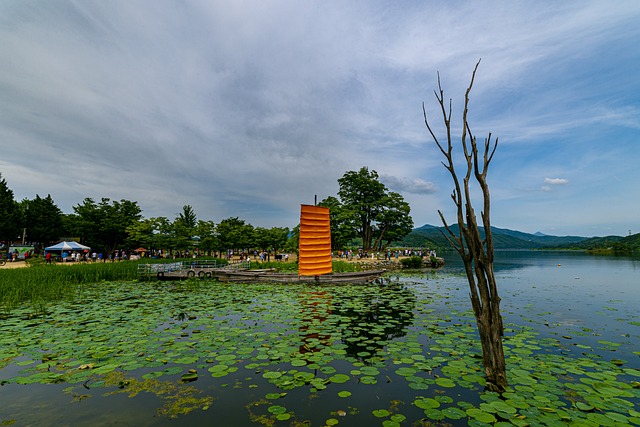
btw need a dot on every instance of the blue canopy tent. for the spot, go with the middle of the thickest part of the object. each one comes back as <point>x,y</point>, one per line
<point>67,246</point>
<point>64,247</point>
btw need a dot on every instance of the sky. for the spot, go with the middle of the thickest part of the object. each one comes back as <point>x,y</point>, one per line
<point>250,108</point>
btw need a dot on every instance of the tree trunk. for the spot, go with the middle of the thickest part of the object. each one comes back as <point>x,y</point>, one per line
<point>367,236</point>
<point>377,245</point>
<point>476,253</point>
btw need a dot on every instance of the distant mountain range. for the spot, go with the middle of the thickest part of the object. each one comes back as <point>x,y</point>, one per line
<point>432,237</point>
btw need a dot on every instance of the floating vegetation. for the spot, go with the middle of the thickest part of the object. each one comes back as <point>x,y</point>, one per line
<point>177,400</point>
<point>402,353</point>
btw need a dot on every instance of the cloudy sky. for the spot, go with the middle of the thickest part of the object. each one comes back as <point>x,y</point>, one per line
<point>250,108</point>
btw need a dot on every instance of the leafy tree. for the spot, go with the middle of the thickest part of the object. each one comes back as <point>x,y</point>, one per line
<point>143,233</point>
<point>270,239</point>
<point>187,217</point>
<point>104,225</point>
<point>369,208</point>
<point>476,252</point>
<point>42,219</point>
<point>361,192</point>
<point>207,232</point>
<point>234,233</point>
<point>161,237</point>
<point>394,220</point>
<point>10,218</point>
<point>342,220</point>
<point>184,228</point>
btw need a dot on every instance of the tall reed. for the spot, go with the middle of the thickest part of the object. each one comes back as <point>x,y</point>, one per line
<point>39,284</point>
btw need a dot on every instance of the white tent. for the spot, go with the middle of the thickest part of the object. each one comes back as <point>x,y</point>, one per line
<point>67,246</point>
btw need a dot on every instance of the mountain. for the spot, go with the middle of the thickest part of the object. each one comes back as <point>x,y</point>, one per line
<point>621,244</point>
<point>432,237</point>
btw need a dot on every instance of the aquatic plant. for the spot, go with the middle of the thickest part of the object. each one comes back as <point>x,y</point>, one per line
<point>41,284</point>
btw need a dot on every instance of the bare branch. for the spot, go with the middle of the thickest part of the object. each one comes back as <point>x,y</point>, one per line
<point>426,122</point>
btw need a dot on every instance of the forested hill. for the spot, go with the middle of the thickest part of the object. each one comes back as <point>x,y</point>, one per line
<point>431,236</point>
<point>616,243</point>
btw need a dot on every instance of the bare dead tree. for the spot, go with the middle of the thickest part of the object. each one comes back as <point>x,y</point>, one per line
<point>476,252</point>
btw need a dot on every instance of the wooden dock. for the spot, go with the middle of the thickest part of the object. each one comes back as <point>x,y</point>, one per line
<point>183,270</point>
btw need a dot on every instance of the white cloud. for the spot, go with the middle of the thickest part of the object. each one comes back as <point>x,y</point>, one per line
<point>415,186</point>
<point>556,181</point>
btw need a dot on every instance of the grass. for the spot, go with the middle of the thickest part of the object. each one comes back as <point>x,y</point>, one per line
<point>40,284</point>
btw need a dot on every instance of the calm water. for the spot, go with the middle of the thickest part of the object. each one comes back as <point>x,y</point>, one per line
<point>569,298</point>
<point>573,289</point>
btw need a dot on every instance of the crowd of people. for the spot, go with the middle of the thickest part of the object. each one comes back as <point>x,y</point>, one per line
<point>262,256</point>
<point>389,254</point>
<point>85,256</point>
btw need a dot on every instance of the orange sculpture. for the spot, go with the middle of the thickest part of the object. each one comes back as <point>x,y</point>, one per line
<point>314,256</point>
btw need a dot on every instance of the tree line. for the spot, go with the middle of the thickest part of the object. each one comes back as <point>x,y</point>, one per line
<point>365,214</point>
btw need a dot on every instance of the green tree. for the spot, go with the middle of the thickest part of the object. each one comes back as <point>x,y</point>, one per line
<point>42,220</point>
<point>184,228</point>
<point>342,223</point>
<point>270,239</point>
<point>103,226</point>
<point>10,214</point>
<point>147,233</point>
<point>393,220</point>
<point>234,233</point>
<point>369,208</point>
<point>206,230</point>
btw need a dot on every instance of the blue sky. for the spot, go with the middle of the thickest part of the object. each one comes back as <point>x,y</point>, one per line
<point>250,108</point>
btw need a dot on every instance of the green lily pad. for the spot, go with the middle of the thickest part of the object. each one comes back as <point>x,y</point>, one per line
<point>381,413</point>
<point>481,415</point>
<point>445,382</point>
<point>426,403</point>
<point>339,378</point>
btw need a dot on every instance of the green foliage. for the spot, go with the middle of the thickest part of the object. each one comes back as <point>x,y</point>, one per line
<point>344,267</point>
<point>341,219</point>
<point>206,230</point>
<point>412,262</point>
<point>10,218</point>
<point>152,233</point>
<point>369,210</point>
<point>42,219</point>
<point>234,233</point>
<point>184,228</point>
<point>272,239</point>
<point>41,284</point>
<point>285,267</point>
<point>103,225</point>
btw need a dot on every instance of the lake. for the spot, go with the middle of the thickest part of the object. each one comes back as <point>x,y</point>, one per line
<point>404,353</point>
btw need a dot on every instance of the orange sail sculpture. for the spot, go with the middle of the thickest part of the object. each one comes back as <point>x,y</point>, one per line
<point>314,257</point>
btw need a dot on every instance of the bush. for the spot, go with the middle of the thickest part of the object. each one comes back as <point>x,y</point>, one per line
<point>412,262</point>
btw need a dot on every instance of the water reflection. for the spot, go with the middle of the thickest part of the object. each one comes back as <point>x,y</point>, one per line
<point>316,308</point>
<point>374,316</point>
